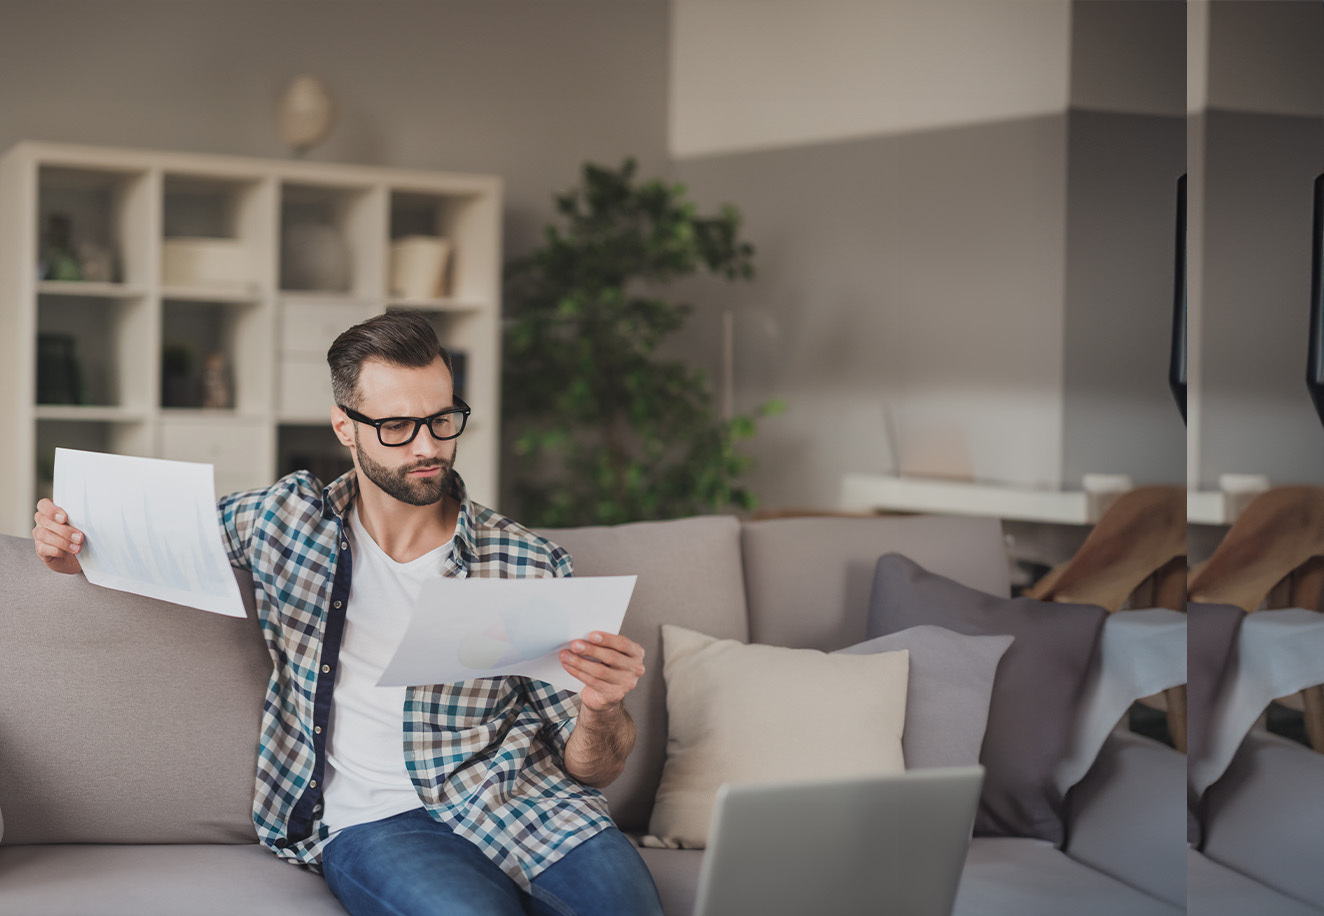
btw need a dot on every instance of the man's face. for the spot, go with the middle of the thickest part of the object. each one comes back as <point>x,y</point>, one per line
<point>417,473</point>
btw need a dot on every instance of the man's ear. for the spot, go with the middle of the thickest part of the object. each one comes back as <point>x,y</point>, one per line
<point>343,427</point>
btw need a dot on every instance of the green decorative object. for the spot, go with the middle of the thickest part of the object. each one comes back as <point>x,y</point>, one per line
<point>606,430</point>
<point>59,262</point>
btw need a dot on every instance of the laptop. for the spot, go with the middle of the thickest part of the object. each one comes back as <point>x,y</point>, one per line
<point>875,845</point>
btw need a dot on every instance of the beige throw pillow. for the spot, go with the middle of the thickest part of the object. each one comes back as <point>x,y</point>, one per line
<point>752,713</point>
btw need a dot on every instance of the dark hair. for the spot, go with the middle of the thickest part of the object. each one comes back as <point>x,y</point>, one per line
<point>401,338</point>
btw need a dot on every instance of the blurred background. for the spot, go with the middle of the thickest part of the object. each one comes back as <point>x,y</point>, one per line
<point>963,212</point>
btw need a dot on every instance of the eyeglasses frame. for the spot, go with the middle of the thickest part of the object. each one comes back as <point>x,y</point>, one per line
<point>419,422</point>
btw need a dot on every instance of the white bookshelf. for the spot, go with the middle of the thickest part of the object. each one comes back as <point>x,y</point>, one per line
<point>273,338</point>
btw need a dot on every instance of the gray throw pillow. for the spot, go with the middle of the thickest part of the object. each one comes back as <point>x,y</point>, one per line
<point>951,683</point>
<point>1036,694</point>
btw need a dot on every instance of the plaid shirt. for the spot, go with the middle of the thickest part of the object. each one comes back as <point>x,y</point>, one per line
<point>486,756</point>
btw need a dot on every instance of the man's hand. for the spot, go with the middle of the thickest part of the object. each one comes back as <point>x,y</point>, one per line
<point>610,666</point>
<point>57,542</point>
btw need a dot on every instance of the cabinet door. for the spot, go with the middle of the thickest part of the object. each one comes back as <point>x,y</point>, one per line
<point>309,328</point>
<point>305,389</point>
<point>240,451</point>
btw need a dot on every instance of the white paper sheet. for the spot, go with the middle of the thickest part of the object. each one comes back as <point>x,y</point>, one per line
<point>150,528</point>
<point>471,628</point>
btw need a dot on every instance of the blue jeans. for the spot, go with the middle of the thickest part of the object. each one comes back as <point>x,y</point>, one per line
<point>410,865</point>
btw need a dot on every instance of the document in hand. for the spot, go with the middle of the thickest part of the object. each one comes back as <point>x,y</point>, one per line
<point>472,628</point>
<point>150,527</point>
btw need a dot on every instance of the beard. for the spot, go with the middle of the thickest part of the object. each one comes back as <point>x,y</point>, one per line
<point>396,482</point>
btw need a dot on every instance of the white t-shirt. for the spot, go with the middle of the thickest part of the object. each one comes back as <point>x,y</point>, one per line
<point>366,776</point>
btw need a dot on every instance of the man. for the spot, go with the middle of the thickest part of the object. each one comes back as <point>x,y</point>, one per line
<point>473,798</point>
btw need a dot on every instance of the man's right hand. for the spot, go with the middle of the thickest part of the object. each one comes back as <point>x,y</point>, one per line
<point>57,542</point>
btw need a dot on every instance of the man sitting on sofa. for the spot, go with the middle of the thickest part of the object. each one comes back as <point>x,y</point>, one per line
<point>465,798</point>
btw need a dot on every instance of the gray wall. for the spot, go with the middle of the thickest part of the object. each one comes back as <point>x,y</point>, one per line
<point>891,270</point>
<point>521,88</point>
<point>1261,143</point>
<point>1256,413</point>
<point>1126,150</point>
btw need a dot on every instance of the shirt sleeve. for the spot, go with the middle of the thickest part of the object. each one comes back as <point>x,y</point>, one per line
<point>238,514</point>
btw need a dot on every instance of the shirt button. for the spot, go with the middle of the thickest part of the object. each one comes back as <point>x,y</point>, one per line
<point>335,604</point>
<point>317,729</point>
<point>344,545</point>
<point>326,669</point>
<point>313,784</point>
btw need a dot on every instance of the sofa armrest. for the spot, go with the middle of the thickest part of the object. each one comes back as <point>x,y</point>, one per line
<point>1127,817</point>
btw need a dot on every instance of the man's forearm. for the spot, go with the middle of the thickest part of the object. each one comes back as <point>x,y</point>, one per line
<point>596,750</point>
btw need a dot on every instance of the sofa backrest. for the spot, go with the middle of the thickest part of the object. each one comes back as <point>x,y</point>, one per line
<point>690,575</point>
<point>129,720</point>
<point>808,580</point>
<point>123,719</point>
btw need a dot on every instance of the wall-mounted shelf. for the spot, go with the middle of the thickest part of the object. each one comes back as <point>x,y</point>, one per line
<point>879,492</point>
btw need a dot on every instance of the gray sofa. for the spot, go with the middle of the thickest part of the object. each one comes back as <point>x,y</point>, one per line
<point>128,728</point>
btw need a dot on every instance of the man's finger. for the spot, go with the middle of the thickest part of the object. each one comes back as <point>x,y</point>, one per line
<point>612,657</point>
<point>623,644</point>
<point>52,541</point>
<point>603,673</point>
<point>46,507</point>
<point>60,536</point>
<point>50,523</point>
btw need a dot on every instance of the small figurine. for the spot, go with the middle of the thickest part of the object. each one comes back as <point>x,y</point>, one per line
<point>216,391</point>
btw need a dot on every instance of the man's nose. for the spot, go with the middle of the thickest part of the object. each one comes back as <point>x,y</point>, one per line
<point>424,444</point>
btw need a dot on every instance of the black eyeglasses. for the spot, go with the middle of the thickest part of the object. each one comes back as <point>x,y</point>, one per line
<point>397,431</point>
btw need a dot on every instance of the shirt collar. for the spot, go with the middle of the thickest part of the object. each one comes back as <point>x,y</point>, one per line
<point>340,494</point>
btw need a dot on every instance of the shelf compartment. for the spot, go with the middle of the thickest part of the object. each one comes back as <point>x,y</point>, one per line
<point>305,389</point>
<point>309,327</point>
<point>88,351</point>
<point>106,214</point>
<point>209,349</point>
<point>329,239</point>
<point>470,222</point>
<point>123,436</point>
<point>311,447</point>
<point>238,447</point>
<point>198,210</point>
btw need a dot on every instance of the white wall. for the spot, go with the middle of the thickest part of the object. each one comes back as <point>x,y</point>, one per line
<point>758,74</point>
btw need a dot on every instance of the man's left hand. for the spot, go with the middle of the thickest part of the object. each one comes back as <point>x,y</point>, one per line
<point>609,665</point>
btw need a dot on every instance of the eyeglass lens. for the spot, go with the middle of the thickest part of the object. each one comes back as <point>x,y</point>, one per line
<point>398,432</point>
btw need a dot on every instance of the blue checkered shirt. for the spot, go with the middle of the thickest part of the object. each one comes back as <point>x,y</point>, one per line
<point>486,756</point>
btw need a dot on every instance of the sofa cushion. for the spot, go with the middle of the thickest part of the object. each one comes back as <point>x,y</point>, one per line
<point>828,563</point>
<point>201,880</point>
<point>676,874</point>
<point>1007,876</point>
<point>729,706</point>
<point>689,574</point>
<point>1216,890</point>
<point>947,697</point>
<point>125,719</point>
<point>1125,817</point>
<point>1036,696</point>
<point>1265,817</point>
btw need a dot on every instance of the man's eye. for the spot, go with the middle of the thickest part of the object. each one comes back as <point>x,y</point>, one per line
<point>397,426</point>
